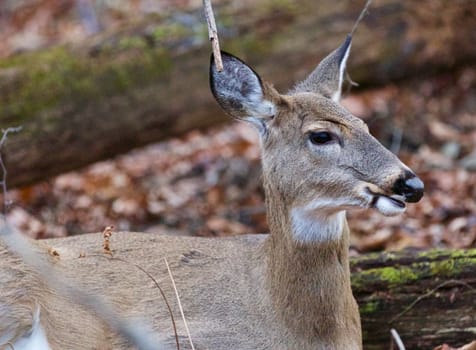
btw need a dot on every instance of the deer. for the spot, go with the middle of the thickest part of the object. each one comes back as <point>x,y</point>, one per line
<point>290,289</point>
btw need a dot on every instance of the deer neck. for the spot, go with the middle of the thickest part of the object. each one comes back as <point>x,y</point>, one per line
<point>308,274</point>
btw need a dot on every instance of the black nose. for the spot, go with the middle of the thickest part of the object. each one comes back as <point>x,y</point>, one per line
<point>411,187</point>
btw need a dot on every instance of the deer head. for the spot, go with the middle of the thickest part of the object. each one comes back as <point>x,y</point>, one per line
<point>318,158</point>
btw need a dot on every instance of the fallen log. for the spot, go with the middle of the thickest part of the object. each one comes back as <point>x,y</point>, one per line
<point>428,297</point>
<point>148,82</point>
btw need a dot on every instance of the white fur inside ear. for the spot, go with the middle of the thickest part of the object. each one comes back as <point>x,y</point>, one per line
<point>388,207</point>
<point>36,339</point>
<point>261,112</point>
<point>256,106</point>
<point>264,108</point>
<point>336,96</point>
<point>239,91</point>
<point>310,226</point>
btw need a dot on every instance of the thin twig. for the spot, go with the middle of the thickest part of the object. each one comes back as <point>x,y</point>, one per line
<point>169,308</point>
<point>174,325</point>
<point>179,303</point>
<point>428,294</point>
<point>361,16</point>
<point>9,345</point>
<point>3,183</point>
<point>6,132</point>
<point>397,340</point>
<point>351,34</point>
<point>213,34</point>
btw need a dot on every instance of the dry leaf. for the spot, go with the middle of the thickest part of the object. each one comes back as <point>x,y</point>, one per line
<point>53,252</point>
<point>107,233</point>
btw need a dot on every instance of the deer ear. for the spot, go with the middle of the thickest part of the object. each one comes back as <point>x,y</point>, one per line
<point>240,92</point>
<point>328,76</point>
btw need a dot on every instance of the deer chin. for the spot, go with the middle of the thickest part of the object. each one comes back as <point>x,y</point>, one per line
<point>389,205</point>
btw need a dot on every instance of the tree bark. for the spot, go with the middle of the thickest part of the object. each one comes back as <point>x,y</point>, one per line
<point>428,297</point>
<point>148,82</point>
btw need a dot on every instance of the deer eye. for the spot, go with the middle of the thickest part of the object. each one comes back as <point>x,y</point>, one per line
<point>320,137</point>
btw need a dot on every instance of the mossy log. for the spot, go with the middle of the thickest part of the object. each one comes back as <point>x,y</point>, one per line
<point>148,81</point>
<point>428,297</point>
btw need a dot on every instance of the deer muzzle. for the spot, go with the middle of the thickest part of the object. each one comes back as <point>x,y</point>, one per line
<point>410,187</point>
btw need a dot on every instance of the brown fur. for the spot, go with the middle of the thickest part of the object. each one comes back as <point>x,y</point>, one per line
<point>310,286</point>
<point>226,298</point>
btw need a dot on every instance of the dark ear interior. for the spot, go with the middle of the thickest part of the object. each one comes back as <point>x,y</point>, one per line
<point>238,89</point>
<point>328,76</point>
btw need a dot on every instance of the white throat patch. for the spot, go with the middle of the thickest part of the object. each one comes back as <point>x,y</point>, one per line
<point>312,226</point>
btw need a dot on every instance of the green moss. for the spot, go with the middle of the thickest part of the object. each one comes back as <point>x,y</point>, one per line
<point>133,42</point>
<point>369,307</point>
<point>436,264</point>
<point>366,257</point>
<point>287,6</point>
<point>166,32</point>
<point>393,276</point>
<point>434,254</point>
<point>469,253</point>
<point>447,262</point>
<point>457,330</point>
<point>397,275</point>
<point>443,268</point>
<point>59,76</point>
<point>249,45</point>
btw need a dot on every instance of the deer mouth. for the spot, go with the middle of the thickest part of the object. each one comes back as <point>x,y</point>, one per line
<point>387,205</point>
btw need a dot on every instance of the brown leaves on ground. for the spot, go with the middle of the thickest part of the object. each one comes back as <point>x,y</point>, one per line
<point>202,184</point>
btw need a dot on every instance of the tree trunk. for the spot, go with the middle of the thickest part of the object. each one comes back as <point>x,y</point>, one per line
<point>428,297</point>
<point>148,82</point>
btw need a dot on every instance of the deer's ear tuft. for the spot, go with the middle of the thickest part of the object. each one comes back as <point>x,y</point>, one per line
<point>328,76</point>
<point>239,91</point>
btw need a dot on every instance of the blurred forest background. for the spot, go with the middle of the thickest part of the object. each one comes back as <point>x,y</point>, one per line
<point>92,79</point>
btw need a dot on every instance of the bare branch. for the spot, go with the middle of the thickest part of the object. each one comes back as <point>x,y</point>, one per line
<point>179,304</point>
<point>3,183</point>
<point>162,293</point>
<point>428,294</point>
<point>397,340</point>
<point>6,132</point>
<point>213,34</point>
<point>8,346</point>
<point>361,16</point>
